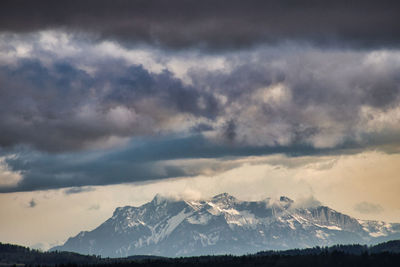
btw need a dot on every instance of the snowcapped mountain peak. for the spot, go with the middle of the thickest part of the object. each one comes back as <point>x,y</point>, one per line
<point>223,225</point>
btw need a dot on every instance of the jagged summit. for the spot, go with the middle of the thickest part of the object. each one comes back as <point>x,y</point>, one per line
<point>223,196</point>
<point>286,202</point>
<point>285,199</point>
<point>223,224</point>
<point>158,199</point>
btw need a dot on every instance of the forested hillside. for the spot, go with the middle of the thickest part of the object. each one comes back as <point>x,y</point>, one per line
<point>384,254</point>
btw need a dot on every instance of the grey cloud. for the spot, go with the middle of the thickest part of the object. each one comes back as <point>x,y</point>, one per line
<point>78,190</point>
<point>296,100</point>
<point>215,24</point>
<point>59,107</point>
<point>201,127</point>
<point>94,207</point>
<point>283,96</point>
<point>368,208</point>
<point>229,132</point>
<point>32,203</point>
<point>144,160</point>
<point>287,96</point>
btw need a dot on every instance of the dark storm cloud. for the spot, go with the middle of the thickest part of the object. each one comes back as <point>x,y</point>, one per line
<point>140,161</point>
<point>215,24</point>
<point>69,107</point>
<point>324,99</point>
<point>146,160</point>
<point>229,132</point>
<point>59,107</point>
<point>269,97</point>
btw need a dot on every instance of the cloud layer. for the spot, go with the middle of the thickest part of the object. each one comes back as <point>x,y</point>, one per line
<point>73,99</point>
<point>95,94</point>
<point>213,24</point>
<point>59,107</point>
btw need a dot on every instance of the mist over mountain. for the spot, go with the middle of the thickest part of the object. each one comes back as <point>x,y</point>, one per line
<point>223,225</point>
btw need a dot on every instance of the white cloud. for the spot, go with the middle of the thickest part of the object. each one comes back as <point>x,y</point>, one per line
<point>8,177</point>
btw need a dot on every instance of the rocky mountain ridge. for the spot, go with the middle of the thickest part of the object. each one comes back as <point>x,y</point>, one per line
<point>223,225</point>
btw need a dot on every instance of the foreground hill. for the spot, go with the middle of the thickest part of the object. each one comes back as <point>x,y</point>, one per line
<point>385,254</point>
<point>13,254</point>
<point>224,225</point>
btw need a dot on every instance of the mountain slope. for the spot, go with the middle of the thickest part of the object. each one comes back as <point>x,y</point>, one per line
<point>223,225</point>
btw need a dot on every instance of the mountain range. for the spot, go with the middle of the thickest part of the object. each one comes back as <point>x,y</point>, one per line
<point>224,225</point>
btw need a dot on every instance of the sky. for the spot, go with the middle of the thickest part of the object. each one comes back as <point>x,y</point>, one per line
<point>107,103</point>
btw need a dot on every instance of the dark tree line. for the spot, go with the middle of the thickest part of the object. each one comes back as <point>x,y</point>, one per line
<point>385,254</point>
<point>328,259</point>
<point>13,254</point>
